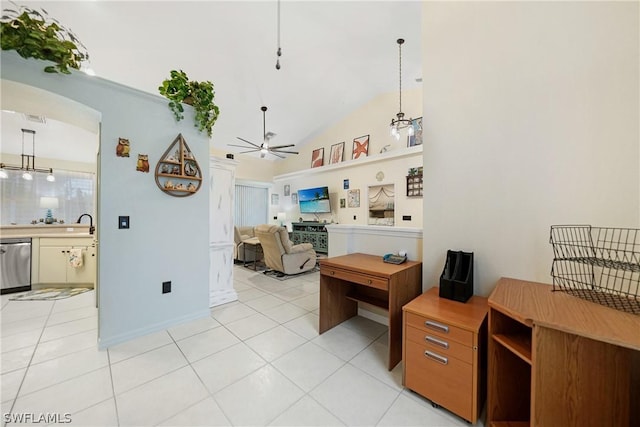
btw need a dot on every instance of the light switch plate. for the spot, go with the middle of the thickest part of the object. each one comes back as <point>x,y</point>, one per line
<point>123,222</point>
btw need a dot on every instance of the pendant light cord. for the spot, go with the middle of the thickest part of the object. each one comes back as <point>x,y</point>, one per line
<point>279,52</point>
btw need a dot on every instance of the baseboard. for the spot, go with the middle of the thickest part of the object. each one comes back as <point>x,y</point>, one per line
<point>379,318</point>
<point>222,297</point>
<point>104,343</point>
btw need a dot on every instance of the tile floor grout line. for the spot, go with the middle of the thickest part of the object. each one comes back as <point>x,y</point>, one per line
<point>17,395</point>
<point>113,388</point>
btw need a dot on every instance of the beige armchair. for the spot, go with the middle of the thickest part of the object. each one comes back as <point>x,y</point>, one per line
<point>282,255</point>
<point>241,253</point>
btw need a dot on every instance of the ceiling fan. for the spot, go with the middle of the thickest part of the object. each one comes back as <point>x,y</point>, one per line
<point>265,148</point>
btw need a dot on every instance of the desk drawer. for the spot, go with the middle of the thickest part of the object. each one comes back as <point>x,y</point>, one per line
<point>440,345</point>
<point>444,380</point>
<point>440,329</point>
<point>360,278</point>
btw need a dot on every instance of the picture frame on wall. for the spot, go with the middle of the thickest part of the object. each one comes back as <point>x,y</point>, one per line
<point>343,203</point>
<point>353,197</point>
<point>337,153</point>
<point>275,199</point>
<point>416,138</point>
<point>287,189</point>
<point>294,198</point>
<point>317,158</point>
<point>360,147</point>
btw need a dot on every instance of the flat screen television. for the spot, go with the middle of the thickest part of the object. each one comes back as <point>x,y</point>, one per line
<point>314,200</point>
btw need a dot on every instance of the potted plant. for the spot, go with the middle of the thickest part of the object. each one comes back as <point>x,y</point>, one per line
<point>178,89</point>
<point>34,34</point>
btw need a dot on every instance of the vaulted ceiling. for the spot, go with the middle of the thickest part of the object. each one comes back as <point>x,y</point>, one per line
<point>336,55</point>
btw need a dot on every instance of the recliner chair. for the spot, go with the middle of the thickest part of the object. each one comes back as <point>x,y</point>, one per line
<point>281,254</point>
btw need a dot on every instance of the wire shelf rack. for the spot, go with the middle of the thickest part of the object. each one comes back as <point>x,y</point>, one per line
<point>599,264</point>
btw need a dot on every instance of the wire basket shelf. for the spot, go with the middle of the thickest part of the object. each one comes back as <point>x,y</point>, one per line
<point>598,264</point>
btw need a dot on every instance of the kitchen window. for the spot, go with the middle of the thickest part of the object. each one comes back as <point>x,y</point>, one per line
<point>74,192</point>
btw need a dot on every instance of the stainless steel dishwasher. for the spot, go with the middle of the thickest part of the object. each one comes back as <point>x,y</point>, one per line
<point>15,265</point>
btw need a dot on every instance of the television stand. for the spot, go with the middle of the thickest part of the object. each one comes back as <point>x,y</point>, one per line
<point>311,232</point>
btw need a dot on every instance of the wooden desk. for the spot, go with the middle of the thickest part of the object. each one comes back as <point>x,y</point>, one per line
<point>349,279</point>
<point>558,360</point>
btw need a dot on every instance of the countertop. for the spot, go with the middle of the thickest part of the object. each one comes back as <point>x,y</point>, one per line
<point>45,230</point>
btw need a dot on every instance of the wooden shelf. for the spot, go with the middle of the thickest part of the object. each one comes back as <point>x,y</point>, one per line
<point>368,300</point>
<point>520,345</point>
<point>181,157</point>
<point>170,175</point>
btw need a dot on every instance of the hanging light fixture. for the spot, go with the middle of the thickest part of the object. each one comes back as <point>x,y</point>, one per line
<point>400,123</point>
<point>28,162</point>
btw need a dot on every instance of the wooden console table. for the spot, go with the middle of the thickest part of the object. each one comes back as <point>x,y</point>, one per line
<point>558,360</point>
<point>348,279</point>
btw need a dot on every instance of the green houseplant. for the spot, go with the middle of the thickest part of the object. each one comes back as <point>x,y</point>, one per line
<point>178,89</point>
<point>33,34</point>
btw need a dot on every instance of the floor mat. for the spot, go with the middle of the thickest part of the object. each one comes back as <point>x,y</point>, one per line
<point>281,276</point>
<point>49,294</point>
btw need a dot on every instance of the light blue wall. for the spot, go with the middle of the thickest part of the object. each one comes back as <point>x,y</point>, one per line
<point>168,238</point>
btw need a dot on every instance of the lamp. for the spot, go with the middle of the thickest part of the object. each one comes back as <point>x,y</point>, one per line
<point>28,162</point>
<point>49,203</point>
<point>400,123</point>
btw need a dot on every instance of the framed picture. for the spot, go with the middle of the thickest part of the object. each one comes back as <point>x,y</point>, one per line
<point>345,184</point>
<point>287,189</point>
<point>294,198</point>
<point>343,203</point>
<point>317,158</point>
<point>416,138</point>
<point>360,147</point>
<point>337,153</point>
<point>275,199</point>
<point>354,198</point>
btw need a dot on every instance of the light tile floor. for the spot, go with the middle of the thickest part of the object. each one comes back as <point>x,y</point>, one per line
<point>256,361</point>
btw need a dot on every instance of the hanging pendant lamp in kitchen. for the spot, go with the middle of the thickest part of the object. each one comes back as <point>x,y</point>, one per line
<point>28,166</point>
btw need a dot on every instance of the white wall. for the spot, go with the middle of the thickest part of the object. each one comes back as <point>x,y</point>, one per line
<point>168,238</point>
<point>533,120</point>
<point>372,118</point>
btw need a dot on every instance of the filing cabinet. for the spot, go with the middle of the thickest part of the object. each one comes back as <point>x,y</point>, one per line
<point>445,352</point>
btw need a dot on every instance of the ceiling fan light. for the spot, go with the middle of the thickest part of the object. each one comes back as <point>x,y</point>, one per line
<point>27,176</point>
<point>410,131</point>
<point>3,173</point>
<point>50,177</point>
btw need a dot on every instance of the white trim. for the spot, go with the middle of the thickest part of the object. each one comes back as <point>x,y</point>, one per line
<point>250,183</point>
<point>395,154</point>
<point>376,230</point>
<point>222,296</point>
<point>129,335</point>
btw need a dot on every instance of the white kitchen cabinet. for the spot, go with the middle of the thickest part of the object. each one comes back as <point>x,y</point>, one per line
<point>54,266</point>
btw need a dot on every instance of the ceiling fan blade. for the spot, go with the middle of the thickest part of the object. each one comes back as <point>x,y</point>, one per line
<point>275,147</point>
<point>248,142</point>
<point>248,151</point>
<point>241,146</point>
<point>276,154</point>
<point>284,151</point>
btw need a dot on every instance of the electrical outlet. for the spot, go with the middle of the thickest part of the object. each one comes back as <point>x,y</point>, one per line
<point>406,217</point>
<point>166,287</point>
<point>354,217</point>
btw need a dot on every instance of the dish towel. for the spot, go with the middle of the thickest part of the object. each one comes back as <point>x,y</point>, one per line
<point>75,257</point>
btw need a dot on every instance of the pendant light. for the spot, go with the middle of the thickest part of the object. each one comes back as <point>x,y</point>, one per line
<point>28,166</point>
<point>399,123</point>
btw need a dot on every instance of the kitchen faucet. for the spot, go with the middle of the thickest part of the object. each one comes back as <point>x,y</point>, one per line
<point>91,227</point>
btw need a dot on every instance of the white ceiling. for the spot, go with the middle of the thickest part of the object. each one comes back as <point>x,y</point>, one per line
<point>336,55</point>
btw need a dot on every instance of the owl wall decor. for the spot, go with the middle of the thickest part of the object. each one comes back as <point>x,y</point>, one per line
<point>122,149</point>
<point>143,163</point>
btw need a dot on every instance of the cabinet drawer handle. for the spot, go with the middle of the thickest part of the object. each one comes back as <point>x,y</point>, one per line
<point>333,272</point>
<point>437,326</point>
<point>436,341</point>
<point>436,357</point>
<point>369,281</point>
